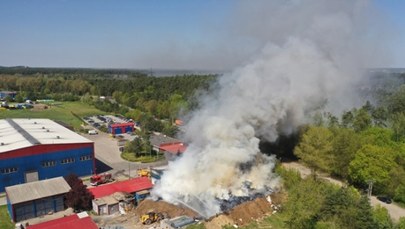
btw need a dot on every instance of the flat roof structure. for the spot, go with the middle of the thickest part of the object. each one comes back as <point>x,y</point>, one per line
<point>76,221</point>
<point>159,139</point>
<point>128,186</point>
<point>36,190</point>
<point>21,133</point>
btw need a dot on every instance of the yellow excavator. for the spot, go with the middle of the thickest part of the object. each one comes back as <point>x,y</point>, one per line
<point>144,173</point>
<point>151,217</point>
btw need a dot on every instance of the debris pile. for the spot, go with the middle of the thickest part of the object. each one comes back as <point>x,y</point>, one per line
<point>169,210</point>
<point>243,213</point>
<point>250,210</point>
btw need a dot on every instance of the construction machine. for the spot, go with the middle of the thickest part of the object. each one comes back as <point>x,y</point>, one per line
<point>100,179</point>
<point>144,173</point>
<point>151,217</point>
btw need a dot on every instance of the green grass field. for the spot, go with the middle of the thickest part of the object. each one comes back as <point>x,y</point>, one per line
<point>5,221</point>
<point>62,111</point>
<point>143,159</point>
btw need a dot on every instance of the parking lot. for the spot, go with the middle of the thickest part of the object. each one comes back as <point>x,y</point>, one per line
<point>98,121</point>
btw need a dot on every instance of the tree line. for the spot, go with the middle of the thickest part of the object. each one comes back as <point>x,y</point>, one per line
<point>365,145</point>
<point>142,98</point>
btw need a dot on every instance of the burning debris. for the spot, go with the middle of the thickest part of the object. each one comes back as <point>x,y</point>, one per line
<point>300,71</point>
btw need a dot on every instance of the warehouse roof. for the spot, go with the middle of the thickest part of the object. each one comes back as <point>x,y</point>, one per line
<point>159,139</point>
<point>36,190</point>
<point>22,133</point>
<point>129,186</point>
<point>76,221</point>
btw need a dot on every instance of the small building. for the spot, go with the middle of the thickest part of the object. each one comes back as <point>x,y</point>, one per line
<point>106,205</point>
<point>121,128</point>
<point>30,200</point>
<point>107,198</point>
<point>158,139</point>
<point>172,150</point>
<point>76,221</point>
<point>5,94</point>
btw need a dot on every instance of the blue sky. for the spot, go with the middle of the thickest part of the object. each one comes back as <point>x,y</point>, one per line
<point>136,34</point>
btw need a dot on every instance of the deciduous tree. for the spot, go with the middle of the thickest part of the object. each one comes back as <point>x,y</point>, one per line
<point>78,198</point>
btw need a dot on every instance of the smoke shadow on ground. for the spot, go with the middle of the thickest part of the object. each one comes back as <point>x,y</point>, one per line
<point>101,167</point>
<point>283,148</point>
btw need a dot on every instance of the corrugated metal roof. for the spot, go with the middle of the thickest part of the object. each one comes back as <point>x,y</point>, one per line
<point>157,140</point>
<point>36,190</point>
<point>129,186</point>
<point>22,133</point>
<point>71,222</point>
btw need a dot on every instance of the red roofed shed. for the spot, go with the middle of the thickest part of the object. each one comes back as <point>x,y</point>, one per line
<point>173,147</point>
<point>68,222</point>
<point>172,150</point>
<point>128,186</point>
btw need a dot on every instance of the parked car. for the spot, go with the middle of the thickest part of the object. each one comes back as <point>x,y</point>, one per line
<point>93,132</point>
<point>384,199</point>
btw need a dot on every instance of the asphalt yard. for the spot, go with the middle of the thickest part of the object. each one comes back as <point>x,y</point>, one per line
<point>109,157</point>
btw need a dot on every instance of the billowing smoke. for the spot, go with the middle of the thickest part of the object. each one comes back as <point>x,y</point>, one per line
<point>314,62</point>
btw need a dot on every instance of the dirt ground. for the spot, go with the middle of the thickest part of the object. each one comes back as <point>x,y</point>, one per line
<point>242,214</point>
<point>168,209</point>
<point>250,211</point>
<point>39,107</point>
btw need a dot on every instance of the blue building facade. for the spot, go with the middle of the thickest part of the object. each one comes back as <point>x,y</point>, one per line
<point>5,94</point>
<point>41,162</point>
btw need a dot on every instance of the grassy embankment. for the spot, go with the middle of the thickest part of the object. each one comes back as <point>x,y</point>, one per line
<point>5,222</point>
<point>61,111</point>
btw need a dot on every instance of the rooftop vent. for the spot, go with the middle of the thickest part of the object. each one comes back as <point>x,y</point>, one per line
<point>47,130</point>
<point>43,127</point>
<point>2,143</point>
<point>35,122</point>
<point>58,137</point>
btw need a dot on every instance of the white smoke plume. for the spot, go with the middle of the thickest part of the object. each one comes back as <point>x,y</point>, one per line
<point>314,57</point>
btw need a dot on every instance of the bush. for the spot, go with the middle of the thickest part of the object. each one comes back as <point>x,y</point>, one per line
<point>400,194</point>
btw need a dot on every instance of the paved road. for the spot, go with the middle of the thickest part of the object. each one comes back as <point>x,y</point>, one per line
<point>109,156</point>
<point>394,210</point>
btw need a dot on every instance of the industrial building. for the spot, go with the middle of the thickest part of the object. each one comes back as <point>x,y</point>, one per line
<point>38,149</point>
<point>34,199</point>
<point>121,128</point>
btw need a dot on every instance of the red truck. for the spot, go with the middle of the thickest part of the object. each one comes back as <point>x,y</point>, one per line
<point>100,179</point>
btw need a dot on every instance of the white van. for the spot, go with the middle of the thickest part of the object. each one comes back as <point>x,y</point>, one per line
<point>93,132</point>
